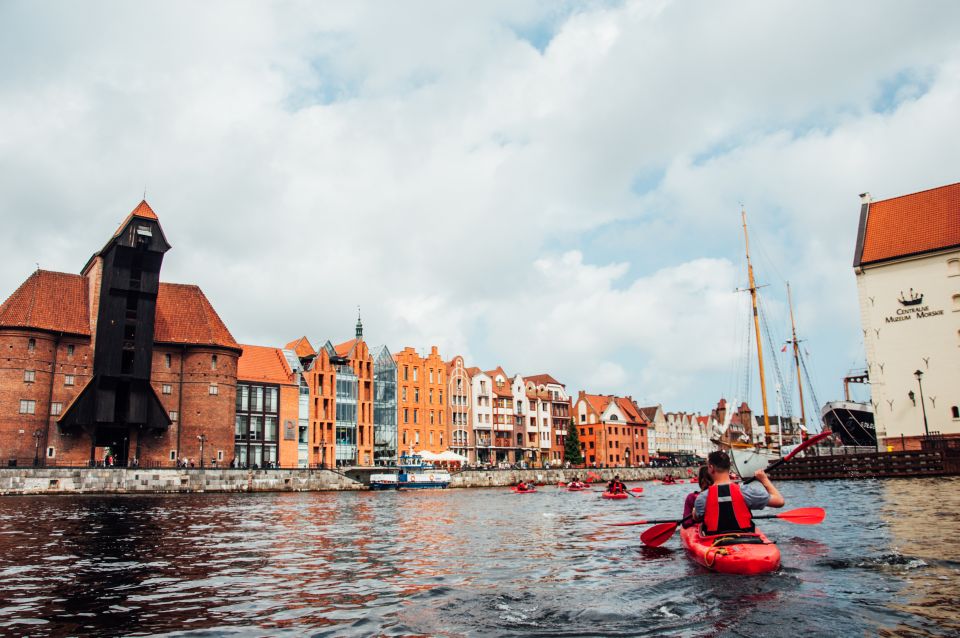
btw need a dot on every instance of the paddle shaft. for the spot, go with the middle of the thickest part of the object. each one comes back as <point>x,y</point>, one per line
<point>813,440</point>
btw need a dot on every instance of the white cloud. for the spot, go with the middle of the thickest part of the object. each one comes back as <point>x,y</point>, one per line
<point>465,188</point>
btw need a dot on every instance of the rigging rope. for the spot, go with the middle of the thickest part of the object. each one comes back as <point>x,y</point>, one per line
<point>813,396</point>
<point>765,326</point>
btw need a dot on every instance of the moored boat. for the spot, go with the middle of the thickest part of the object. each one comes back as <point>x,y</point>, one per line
<point>731,553</point>
<point>412,473</point>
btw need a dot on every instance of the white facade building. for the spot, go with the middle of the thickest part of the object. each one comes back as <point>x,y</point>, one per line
<point>907,265</point>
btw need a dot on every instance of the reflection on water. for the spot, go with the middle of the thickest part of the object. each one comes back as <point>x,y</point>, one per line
<point>469,563</point>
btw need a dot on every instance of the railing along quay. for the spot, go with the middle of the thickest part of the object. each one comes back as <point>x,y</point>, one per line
<point>908,464</point>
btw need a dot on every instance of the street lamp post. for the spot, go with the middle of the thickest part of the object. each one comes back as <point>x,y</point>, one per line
<point>923,406</point>
<point>37,434</point>
<point>203,439</point>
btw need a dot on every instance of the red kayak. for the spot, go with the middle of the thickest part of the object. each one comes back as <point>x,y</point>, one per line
<point>614,496</point>
<point>731,553</point>
<point>585,488</point>
<point>516,491</point>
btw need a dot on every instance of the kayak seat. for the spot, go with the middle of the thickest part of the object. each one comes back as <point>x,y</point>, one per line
<point>725,540</point>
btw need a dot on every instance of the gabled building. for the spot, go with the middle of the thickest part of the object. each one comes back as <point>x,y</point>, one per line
<point>266,430</point>
<point>459,410</point>
<point>504,448</point>
<point>551,405</point>
<point>482,406</point>
<point>423,411</point>
<point>114,363</point>
<point>907,266</point>
<point>612,430</point>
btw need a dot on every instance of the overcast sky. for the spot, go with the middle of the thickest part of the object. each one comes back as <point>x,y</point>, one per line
<point>550,187</point>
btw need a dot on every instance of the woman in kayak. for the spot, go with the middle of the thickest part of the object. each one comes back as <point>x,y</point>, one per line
<point>705,482</point>
<point>522,487</point>
<point>725,507</point>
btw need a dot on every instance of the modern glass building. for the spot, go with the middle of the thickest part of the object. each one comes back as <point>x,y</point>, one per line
<point>255,432</point>
<point>384,407</point>
<point>346,426</point>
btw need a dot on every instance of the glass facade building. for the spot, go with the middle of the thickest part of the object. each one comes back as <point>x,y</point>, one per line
<point>256,425</point>
<point>384,407</point>
<point>346,408</point>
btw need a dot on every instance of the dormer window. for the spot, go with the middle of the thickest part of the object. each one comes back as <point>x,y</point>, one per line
<point>143,230</point>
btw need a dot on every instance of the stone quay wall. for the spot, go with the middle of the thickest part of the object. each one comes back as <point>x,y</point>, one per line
<point>144,480</point>
<point>503,478</point>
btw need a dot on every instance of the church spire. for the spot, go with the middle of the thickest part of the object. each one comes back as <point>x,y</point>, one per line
<point>359,325</point>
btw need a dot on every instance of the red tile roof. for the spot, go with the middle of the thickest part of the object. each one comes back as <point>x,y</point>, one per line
<point>264,364</point>
<point>301,347</point>
<point>911,224</point>
<point>630,410</point>
<point>184,315</point>
<point>345,348</point>
<point>542,379</point>
<point>142,210</point>
<point>55,301</point>
<point>598,402</point>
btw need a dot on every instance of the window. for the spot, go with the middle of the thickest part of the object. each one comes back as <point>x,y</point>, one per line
<point>68,379</point>
<point>416,438</point>
<point>406,419</point>
<point>29,376</point>
<point>415,373</point>
<point>403,392</point>
<point>27,406</point>
<point>431,396</point>
<point>167,360</point>
<point>441,397</point>
<point>31,344</point>
<point>56,408</point>
<point>219,455</point>
<point>956,303</point>
<point>406,373</point>
<point>166,388</point>
<point>173,415</point>
<point>404,438</point>
<point>431,437</point>
<point>173,453</point>
<point>213,362</point>
<point>416,415</point>
<point>953,268</point>
<point>70,350</point>
<point>51,452</point>
<point>214,389</point>
<point>955,412</point>
<point>431,375</point>
<point>431,422</point>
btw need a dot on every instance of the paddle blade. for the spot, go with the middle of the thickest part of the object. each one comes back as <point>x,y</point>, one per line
<point>637,490</point>
<point>658,534</point>
<point>804,515</point>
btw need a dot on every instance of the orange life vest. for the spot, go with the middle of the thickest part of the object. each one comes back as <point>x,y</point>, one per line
<point>726,511</point>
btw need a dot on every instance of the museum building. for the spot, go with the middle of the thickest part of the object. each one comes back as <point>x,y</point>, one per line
<point>112,365</point>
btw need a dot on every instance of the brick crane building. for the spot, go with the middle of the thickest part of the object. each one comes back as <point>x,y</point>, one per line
<point>112,361</point>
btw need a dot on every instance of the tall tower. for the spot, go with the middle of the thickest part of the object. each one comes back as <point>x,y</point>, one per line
<point>119,399</point>
<point>359,325</point>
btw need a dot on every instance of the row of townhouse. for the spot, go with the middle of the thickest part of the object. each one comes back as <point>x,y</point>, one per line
<point>113,364</point>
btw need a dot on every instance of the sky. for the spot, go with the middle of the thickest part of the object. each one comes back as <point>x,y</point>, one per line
<point>548,186</point>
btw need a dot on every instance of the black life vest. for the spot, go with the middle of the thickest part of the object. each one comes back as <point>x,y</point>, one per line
<point>726,511</point>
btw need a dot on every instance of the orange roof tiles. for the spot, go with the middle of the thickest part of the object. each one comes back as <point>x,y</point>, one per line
<point>301,347</point>
<point>345,348</point>
<point>630,410</point>
<point>142,210</point>
<point>542,378</point>
<point>262,363</point>
<point>184,315</point>
<point>598,402</point>
<point>47,300</point>
<point>910,224</point>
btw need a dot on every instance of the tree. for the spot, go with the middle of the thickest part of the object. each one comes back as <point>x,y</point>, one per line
<point>571,447</point>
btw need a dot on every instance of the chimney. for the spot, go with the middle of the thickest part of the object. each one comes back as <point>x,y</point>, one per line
<point>865,198</point>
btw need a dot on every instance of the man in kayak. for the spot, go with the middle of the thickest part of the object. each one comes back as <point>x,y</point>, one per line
<point>522,486</point>
<point>616,486</point>
<point>725,507</point>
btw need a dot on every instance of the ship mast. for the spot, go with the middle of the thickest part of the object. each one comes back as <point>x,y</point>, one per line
<point>796,360</point>
<point>756,326</point>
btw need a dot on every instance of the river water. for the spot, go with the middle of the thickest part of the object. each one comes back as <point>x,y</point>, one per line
<point>470,563</point>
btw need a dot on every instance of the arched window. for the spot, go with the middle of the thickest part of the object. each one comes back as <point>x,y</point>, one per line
<point>953,267</point>
<point>955,411</point>
<point>956,303</point>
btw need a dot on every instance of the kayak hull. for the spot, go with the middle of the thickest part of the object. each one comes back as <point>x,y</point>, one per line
<point>744,559</point>
<point>516,491</point>
<point>578,489</point>
<point>614,497</point>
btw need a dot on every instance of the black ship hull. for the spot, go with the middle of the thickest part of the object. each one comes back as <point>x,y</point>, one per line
<point>851,421</point>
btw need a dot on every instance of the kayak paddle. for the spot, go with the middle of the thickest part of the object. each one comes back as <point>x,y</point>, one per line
<point>637,489</point>
<point>660,534</point>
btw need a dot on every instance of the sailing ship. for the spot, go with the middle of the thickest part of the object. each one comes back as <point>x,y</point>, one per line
<point>747,452</point>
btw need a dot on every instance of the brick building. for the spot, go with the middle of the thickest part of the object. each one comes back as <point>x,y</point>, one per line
<point>422,381</point>
<point>613,431</point>
<point>112,361</point>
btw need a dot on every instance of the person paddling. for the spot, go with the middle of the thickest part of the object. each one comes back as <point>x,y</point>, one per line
<point>616,486</point>
<point>725,507</point>
<point>522,487</point>
<point>705,482</point>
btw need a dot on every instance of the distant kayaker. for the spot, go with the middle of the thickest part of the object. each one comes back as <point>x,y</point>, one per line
<point>725,507</point>
<point>616,486</point>
<point>522,487</point>
<point>705,482</point>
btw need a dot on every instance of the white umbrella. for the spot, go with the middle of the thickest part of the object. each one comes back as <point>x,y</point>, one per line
<point>452,457</point>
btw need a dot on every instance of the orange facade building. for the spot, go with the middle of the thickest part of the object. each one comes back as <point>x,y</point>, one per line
<point>612,431</point>
<point>422,412</point>
<point>266,431</point>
